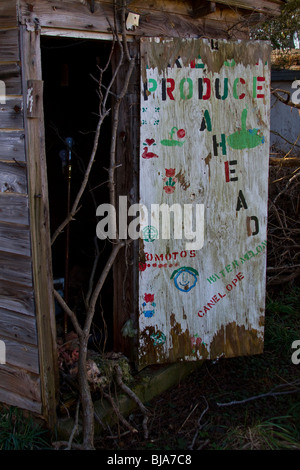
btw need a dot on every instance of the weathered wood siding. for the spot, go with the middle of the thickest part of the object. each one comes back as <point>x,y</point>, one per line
<point>204,145</point>
<point>19,375</point>
<point>228,19</point>
<point>25,276</point>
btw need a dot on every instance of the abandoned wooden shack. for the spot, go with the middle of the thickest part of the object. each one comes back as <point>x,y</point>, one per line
<point>48,51</point>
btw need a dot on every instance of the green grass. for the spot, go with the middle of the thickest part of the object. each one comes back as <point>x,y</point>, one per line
<point>18,432</point>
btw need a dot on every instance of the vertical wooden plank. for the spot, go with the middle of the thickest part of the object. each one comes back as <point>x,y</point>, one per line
<point>39,224</point>
<point>204,145</point>
<point>124,270</point>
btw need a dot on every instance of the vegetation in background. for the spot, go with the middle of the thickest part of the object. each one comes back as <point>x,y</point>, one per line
<point>282,31</point>
<point>18,432</point>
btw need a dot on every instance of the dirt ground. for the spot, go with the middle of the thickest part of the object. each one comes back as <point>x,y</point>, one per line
<point>189,416</point>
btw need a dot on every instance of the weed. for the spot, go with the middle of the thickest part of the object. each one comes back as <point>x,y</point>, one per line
<point>20,433</point>
<point>266,435</point>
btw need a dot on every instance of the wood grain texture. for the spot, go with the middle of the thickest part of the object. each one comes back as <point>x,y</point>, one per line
<point>11,75</point>
<point>267,7</point>
<point>205,149</point>
<point>11,113</point>
<point>14,208</point>
<point>15,399</point>
<point>9,45</point>
<point>15,268</point>
<point>8,13</point>
<point>40,229</point>
<point>12,146</point>
<point>15,239</point>
<point>13,178</point>
<point>16,326</point>
<point>125,281</point>
<point>16,298</point>
<point>167,20</point>
<point>21,382</point>
<point>22,355</point>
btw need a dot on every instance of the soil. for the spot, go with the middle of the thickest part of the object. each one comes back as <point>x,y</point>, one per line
<point>188,416</point>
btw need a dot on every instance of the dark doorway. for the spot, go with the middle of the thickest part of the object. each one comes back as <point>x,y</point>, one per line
<point>71,112</point>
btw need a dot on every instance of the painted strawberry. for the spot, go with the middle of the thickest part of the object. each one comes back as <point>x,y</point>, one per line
<point>170,172</point>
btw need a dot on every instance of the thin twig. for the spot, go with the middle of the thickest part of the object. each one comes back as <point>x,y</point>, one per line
<point>272,393</point>
<point>199,425</point>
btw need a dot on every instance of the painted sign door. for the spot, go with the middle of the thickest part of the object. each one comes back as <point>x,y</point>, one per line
<point>203,193</point>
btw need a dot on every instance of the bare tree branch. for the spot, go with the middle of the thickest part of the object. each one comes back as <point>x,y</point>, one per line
<point>286,100</point>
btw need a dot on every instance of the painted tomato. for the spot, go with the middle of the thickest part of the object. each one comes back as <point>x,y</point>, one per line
<point>180,133</point>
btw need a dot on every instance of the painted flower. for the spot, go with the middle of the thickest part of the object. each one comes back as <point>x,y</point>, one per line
<point>142,266</point>
<point>149,297</point>
<point>169,189</point>
<point>170,173</point>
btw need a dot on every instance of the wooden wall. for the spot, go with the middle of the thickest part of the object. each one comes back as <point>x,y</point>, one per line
<point>19,376</point>
<point>195,18</point>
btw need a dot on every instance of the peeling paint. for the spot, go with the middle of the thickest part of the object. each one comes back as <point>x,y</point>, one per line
<point>205,115</point>
<point>182,181</point>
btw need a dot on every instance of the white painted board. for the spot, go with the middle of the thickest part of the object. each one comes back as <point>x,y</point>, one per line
<point>204,146</point>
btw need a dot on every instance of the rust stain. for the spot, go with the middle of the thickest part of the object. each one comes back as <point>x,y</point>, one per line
<point>207,161</point>
<point>234,340</point>
<point>248,222</point>
<point>181,178</point>
<point>149,353</point>
<point>182,344</point>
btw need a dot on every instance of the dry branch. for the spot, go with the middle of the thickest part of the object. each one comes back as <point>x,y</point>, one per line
<point>134,397</point>
<point>95,287</point>
<point>286,100</point>
<point>271,393</point>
